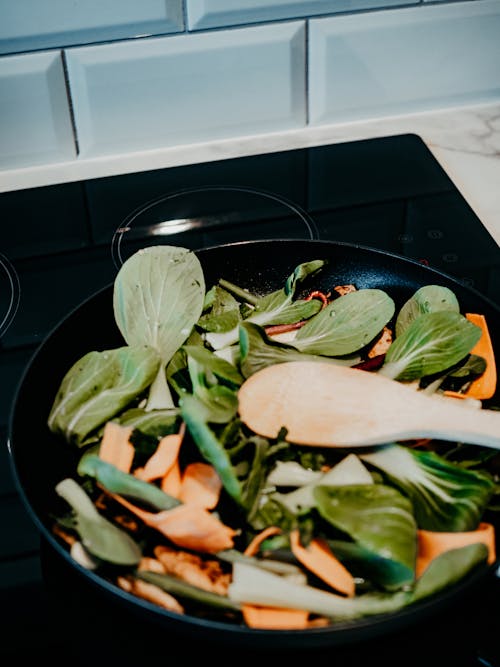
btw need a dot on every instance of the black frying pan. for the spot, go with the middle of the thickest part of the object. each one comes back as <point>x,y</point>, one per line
<point>39,460</point>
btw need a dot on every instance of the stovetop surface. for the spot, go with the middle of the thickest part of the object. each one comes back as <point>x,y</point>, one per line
<point>389,193</point>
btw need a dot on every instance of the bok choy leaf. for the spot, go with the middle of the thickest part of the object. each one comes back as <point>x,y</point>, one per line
<point>258,350</point>
<point>279,307</point>
<point>445,495</point>
<point>427,299</point>
<point>346,324</point>
<point>432,343</point>
<point>377,517</point>
<point>158,297</point>
<point>99,536</point>
<point>98,386</point>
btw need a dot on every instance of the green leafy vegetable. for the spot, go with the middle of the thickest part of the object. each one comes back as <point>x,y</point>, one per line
<point>377,517</point>
<point>98,386</point>
<point>427,299</point>
<point>278,307</point>
<point>432,343</point>
<point>253,585</point>
<point>364,563</point>
<point>122,483</point>
<point>346,324</point>
<point>350,470</point>
<point>195,416</point>
<point>449,568</point>
<point>259,350</point>
<point>99,536</point>
<point>445,496</point>
<point>158,297</point>
<point>180,588</point>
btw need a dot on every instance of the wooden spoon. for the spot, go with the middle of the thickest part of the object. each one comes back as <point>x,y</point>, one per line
<point>337,406</point>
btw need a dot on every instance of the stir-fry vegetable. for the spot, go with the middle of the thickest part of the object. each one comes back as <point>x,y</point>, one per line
<point>176,501</point>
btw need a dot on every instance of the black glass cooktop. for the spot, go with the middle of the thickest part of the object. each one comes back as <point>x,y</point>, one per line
<point>62,243</point>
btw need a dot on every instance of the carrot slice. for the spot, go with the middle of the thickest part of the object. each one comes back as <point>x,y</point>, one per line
<point>319,559</point>
<point>115,447</point>
<point>431,544</point>
<point>253,546</point>
<point>275,618</point>
<point>201,485</point>
<point>485,385</point>
<point>188,526</point>
<point>171,482</point>
<point>164,457</point>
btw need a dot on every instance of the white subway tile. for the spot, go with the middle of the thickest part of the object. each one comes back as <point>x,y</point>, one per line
<point>27,25</point>
<point>183,89</point>
<point>35,121</point>
<point>203,14</point>
<point>405,60</point>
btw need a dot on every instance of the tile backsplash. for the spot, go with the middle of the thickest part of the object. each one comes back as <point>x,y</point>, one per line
<point>103,79</point>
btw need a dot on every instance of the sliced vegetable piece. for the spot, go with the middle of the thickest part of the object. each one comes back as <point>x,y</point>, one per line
<point>115,447</point>
<point>188,526</point>
<point>201,485</point>
<point>206,573</point>
<point>253,546</point>
<point>150,592</point>
<point>171,482</point>
<point>318,558</point>
<point>484,386</point>
<point>432,543</point>
<point>164,457</point>
<point>274,618</point>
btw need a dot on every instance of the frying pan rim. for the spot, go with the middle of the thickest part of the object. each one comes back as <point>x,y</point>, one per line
<point>337,634</point>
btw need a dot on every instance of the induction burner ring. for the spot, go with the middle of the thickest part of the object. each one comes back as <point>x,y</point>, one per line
<point>214,213</point>
<point>9,293</point>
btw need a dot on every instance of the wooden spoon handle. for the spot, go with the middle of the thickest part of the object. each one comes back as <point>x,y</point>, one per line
<point>447,418</point>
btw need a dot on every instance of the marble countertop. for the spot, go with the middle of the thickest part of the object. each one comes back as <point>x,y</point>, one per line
<point>465,140</point>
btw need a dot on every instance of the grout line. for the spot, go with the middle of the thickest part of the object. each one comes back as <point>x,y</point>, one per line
<point>70,101</point>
